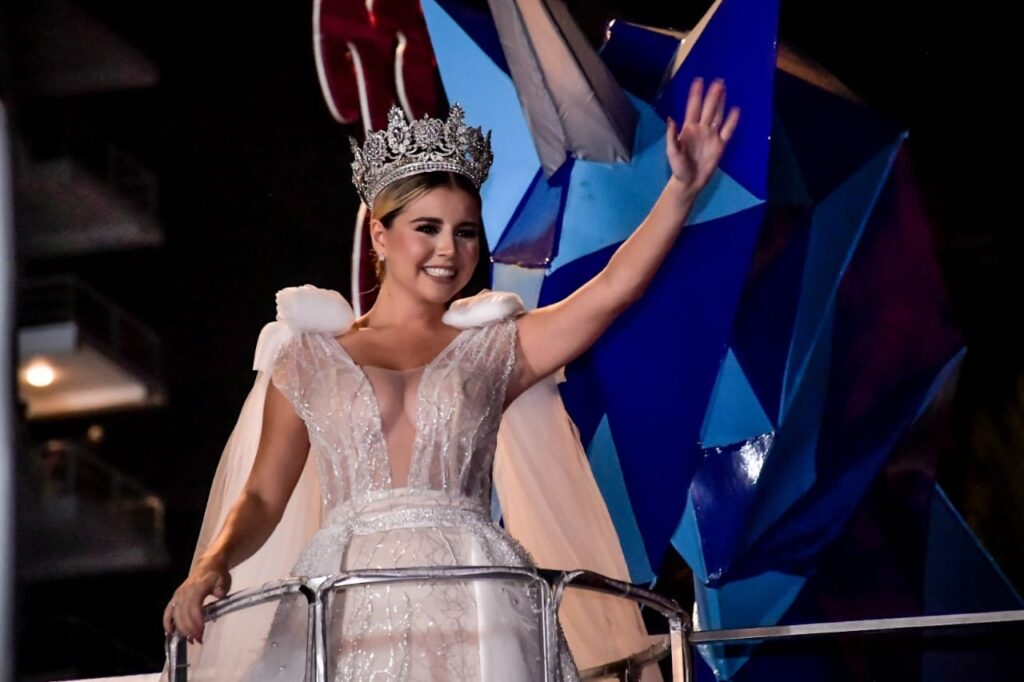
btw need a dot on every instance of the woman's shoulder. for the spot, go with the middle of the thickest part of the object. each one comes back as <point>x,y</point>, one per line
<point>301,311</point>
<point>484,309</point>
<point>310,309</point>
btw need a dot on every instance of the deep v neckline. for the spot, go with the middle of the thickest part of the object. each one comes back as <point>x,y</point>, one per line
<point>448,347</point>
<point>382,445</point>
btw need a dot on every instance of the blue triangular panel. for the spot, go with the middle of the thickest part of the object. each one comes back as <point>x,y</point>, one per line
<point>830,136</point>
<point>639,57</point>
<point>686,540</point>
<point>734,414</point>
<point>763,329</point>
<point>761,600</point>
<point>836,228</point>
<point>722,492</point>
<point>738,44</point>
<point>530,240</point>
<point>604,462</point>
<point>960,575</point>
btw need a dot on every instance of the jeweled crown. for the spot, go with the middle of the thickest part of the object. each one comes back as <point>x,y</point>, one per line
<point>426,144</point>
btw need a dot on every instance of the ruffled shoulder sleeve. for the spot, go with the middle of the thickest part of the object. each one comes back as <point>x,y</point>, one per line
<point>283,348</point>
<point>483,309</point>
<point>301,310</point>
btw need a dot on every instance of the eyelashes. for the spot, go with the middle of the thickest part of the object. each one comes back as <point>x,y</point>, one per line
<point>432,229</point>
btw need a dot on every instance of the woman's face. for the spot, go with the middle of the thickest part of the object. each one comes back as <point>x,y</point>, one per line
<point>433,245</point>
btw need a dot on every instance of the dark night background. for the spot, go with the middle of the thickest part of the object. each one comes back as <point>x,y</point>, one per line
<point>254,196</point>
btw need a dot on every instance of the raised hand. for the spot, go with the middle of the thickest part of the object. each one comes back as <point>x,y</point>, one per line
<point>695,149</point>
<point>185,610</point>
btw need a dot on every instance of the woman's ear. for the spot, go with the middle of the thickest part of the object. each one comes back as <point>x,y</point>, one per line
<point>378,237</point>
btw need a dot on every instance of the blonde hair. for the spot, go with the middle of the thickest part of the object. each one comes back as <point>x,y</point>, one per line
<point>393,199</point>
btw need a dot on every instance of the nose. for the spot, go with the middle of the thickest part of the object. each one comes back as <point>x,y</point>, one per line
<point>446,243</point>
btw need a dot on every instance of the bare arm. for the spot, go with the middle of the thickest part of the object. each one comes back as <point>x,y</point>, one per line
<point>280,459</point>
<point>552,336</point>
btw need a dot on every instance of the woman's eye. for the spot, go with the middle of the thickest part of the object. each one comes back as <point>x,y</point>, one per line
<point>468,234</point>
<point>429,229</point>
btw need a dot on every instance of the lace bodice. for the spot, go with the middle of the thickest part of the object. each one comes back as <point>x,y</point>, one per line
<point>457,405</point>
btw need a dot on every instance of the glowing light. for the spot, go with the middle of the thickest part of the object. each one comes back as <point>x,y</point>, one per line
<point>40,373</point>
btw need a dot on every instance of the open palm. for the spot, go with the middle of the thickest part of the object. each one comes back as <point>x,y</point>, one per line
<point>695,149</point>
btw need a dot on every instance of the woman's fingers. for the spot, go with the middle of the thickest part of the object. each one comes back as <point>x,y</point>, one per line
<point>185,611</point>
<point>195,617</point>
<point>729,127</point>
<point>674,141</point>
<point>697,145</point>
<point>185,618</point>
<point>168,619</point>
<point>693,101</point>
<point>222,586</point>
<point>172,614</point>
<point>716,93</point>
<point>703,109</point>
<point>719,112</point>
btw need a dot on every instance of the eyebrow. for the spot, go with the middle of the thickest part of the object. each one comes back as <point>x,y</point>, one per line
<point>437,221</point>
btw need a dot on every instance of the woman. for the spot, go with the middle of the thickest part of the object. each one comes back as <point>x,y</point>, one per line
<point>401,409</point>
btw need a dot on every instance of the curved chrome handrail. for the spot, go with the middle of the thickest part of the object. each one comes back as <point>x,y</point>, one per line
<point>551,584</point>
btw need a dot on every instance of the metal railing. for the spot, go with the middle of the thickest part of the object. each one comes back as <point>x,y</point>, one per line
<point>676,645</point>
<point>855,627</point>
<point>551,585</point>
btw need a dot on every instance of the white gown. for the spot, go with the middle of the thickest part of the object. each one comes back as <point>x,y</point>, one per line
<point>400,475</point>
<point>404,462</point>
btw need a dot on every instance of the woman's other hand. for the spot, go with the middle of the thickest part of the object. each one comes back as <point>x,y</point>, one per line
<point>185,610</point>
<point>695,149</point>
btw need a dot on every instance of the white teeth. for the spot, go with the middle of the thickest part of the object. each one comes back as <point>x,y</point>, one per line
<point>440,272</point>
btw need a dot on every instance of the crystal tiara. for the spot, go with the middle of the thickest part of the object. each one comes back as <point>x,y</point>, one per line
<point>426,144</point>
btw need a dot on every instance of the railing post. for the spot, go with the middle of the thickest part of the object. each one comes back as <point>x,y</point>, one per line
<point>177,658</point>
<point>318,614</point>
<point>563,579</point>
<point>679,643</point>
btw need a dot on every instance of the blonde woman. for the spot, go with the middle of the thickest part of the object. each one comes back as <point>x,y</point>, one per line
<point>399,412</point>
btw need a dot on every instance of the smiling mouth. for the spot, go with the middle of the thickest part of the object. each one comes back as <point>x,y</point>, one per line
<point>443,274</point>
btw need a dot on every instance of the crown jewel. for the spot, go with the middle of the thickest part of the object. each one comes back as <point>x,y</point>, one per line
<point>426,144</point>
